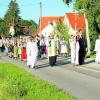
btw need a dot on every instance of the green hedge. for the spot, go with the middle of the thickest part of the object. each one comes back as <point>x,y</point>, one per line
<point>92,55</point>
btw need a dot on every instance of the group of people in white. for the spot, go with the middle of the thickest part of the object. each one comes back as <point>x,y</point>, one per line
<point>31,49</point>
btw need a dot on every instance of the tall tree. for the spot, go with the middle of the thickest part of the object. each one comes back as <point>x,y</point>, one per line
<point>1,20</point>
<point>92,9</point>
<point>62,30</point>
<point>12,16</point>
<point>31,25</point>
<point>3,28</point>
<point>67,1</point>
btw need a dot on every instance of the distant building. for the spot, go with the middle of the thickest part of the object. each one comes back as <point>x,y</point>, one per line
<point>73,21</point>
<point>47,25</point>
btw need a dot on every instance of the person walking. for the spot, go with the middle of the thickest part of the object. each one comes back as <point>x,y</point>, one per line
<point>32,52</point>
<point>74,45</point>
<point>63,47</point>
<point>23,55</point>
<point>52,51</point>
<point>15,55</point>
<point>97,49</point>
<point>83,46</point>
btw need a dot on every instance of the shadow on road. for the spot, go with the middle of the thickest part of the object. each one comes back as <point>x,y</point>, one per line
<point>42,65</point>
<point>60,62</point>
<point>88,62</point>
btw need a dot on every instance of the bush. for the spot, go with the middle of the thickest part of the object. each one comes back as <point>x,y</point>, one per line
<point>92,55</point>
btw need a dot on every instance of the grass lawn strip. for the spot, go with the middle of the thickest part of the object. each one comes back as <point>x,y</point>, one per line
<point>18,84</point>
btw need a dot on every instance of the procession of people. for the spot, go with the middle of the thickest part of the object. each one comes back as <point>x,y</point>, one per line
<point>32,48</point>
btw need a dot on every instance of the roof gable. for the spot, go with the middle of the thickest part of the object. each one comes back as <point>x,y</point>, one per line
<point>46,20</point>
<point>76,20</point>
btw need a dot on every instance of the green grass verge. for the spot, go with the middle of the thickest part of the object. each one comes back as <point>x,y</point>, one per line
<point>17,84</point>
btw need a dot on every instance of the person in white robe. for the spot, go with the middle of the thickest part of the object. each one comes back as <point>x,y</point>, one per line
<point>74,45</point>
<point>32,52</point>
<point>64,47</point>
<point>28,51</point>
<point>97,49</point>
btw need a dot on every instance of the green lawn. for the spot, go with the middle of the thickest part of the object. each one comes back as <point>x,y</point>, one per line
<point>17,84</point>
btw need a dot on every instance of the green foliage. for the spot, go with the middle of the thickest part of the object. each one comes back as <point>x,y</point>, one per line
<point>32,26</point>
<point>62,30</point>
<point>92,55</point>
<point>3,28</point>
<point>17,84</point>
<point>12,16</point>
<point>92,10</point>
<point>67,1</point>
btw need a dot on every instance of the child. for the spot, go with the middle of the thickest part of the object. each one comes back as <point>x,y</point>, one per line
<point>19,51</point>
<point>15,55</point>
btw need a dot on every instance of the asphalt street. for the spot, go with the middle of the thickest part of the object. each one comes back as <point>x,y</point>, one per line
<point>82,82</point>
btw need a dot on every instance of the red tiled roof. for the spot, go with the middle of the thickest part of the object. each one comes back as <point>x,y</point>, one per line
<point>76,18</point>
<point>72,17</point>
<point>46,20</point>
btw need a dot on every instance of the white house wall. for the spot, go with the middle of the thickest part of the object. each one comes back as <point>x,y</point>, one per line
<point>47,30</point>
<point>66,21</point>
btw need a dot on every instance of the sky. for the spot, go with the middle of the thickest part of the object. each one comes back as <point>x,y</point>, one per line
<point>30,9</point>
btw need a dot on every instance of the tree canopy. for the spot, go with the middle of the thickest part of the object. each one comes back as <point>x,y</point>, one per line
<point>31,25</point>
<point>12,17</point>
<point>92,10</point>
<point>67,1</point>
<point>62,30</point>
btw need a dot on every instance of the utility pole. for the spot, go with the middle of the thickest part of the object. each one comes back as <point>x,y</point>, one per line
<point>75,21</point>
<point>40,16</point>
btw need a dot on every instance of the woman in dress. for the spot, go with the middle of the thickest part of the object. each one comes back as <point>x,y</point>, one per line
<point>23,55</point>
<point>74,45</point>
<point>15,55</point>
<point>63,47</point>
<point>19,50</point>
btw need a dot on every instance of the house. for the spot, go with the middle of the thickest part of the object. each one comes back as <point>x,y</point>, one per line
<point>47,24</point>
<point>73,21</point>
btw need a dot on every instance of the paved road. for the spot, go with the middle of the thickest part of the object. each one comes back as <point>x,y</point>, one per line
<point>82,81</point>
